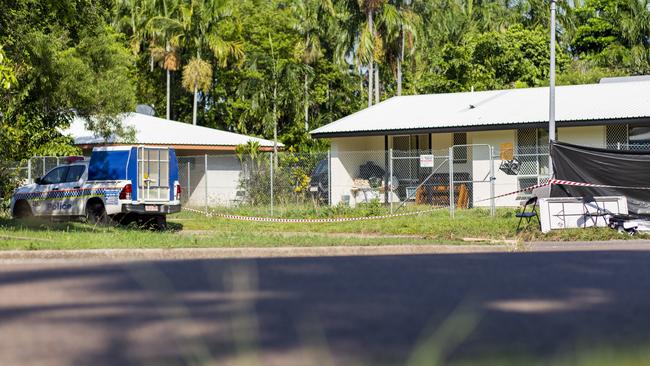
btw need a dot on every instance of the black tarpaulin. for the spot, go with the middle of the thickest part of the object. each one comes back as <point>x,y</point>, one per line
<point>602,166</point>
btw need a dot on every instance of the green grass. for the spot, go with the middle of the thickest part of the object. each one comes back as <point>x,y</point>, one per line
<point>194,230</point>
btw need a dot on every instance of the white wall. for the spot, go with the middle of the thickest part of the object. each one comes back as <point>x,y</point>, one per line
<point>348,153</point>
<point>593,136</point>
<point>504,183</point>
<point>222,180</point>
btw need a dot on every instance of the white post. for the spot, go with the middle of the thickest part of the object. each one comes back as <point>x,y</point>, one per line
<point>329,177</point>
<point>196,93</point>
<point>492,179</point>
<point>390,179</point>
<point>551,114</point>
<point>271,162</point>
<point>29,171</point>
<point>205,176</point>
<point>451,182</point>
<point>188,182</point>
<point>169,105</point>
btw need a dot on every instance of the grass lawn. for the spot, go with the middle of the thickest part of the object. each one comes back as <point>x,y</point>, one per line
<point>188,230</point>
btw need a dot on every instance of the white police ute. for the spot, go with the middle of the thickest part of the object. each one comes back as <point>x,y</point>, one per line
<point>124,183</point>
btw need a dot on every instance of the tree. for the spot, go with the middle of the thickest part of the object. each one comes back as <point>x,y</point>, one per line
<point>194,28</point>
<point>309,22</point>
<point>160,47</point>
<point>615,34</point>
<point>64,67</point>
<point>7,76</point>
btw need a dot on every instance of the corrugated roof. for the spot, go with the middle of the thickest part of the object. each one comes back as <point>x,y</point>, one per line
<point>154,130</point>
<point>609,101</point>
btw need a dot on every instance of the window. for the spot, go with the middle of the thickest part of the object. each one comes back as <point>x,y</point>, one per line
<point>639,135</point>
<point>626,137</point>
<point>532,153</point>
<point>423,143</point>
<point>74,173</point>
<point>55,176</point>
<point>401,143</point>
<point>460,153</point>
<point>616,136</point>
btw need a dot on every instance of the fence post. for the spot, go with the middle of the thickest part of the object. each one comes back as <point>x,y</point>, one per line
<point>189,186</point>
<point>271,162</point>
<point>29,171</point>
<point>390,179</point>
<point>205,176</point>
<point>451,182</point>
<point>329,177</point>
<point>492,179</point>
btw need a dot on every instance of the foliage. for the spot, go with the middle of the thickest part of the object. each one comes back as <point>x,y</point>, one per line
<point>291,179</point>
<point>64,67</point>
<point>7,77</point>
<point>197,75</point>
<point>295,65</point>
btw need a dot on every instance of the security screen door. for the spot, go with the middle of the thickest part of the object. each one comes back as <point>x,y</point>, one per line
<point>153,174</point>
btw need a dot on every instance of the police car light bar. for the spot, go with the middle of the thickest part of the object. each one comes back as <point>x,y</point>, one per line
<point>73,159</point>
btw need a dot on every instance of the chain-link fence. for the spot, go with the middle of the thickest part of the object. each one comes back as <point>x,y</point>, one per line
<point>463,176</point>
<point>229,180</point>
<point>35,167</point>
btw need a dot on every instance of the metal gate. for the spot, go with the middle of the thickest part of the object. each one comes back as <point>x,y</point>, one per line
<point>418,177</point>
<point>153,173</point>
<point>471,176</point>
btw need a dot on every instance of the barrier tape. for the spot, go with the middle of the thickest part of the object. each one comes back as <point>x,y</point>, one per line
<point>344,219</point>
<point>564,183</point>
<point>517,191</point>
<point>324,220</point>
<point>580,184</point>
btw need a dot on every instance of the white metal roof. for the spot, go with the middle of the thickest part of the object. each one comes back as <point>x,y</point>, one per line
<point>593,102</point>
<point>159,131</point>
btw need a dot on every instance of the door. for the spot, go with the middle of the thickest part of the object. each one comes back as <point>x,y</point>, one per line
<point>72,200</point>
<point>153,174</point>
<point>49,188</point>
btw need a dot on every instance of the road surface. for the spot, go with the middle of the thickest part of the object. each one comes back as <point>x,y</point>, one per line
<point>542,303</point>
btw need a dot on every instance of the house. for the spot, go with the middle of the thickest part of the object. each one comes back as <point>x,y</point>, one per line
<point>394,133</point>
<point>195,146</point>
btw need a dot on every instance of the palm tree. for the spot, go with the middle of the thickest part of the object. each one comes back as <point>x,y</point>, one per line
<point>635,29</point>
<point>195,26</point>
<point>309,16</point>
<point>268,100</point>
<point>396,24</point>
<point>369,45</point>
<point>131,17</point>
<point>161,49</point>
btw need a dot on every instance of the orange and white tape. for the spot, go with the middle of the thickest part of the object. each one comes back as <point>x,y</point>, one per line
<point>344,219</point>
<point>323,220</point>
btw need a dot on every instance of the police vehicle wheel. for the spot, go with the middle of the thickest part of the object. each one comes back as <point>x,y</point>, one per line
<point>96,213</point>
<point>160,223</point>
<point>22,210</point>
<point>154,222</point>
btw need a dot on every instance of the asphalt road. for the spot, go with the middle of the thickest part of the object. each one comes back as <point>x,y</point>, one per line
<point>370,310</point>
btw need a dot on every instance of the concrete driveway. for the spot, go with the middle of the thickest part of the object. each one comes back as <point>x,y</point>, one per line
<point>392,309</point>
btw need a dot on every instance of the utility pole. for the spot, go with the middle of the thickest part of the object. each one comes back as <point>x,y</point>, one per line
<point>551,104</point>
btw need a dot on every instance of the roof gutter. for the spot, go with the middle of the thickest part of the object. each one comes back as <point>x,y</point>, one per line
<point>497,127</point>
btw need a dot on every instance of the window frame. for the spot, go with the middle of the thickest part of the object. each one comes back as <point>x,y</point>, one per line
<point>61,180</point>
<point>67,175</point>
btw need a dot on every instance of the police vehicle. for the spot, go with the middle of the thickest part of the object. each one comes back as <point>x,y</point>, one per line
<point>122,183</point>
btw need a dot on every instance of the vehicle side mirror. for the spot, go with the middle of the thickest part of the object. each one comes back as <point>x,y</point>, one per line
<point>38,181</point>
